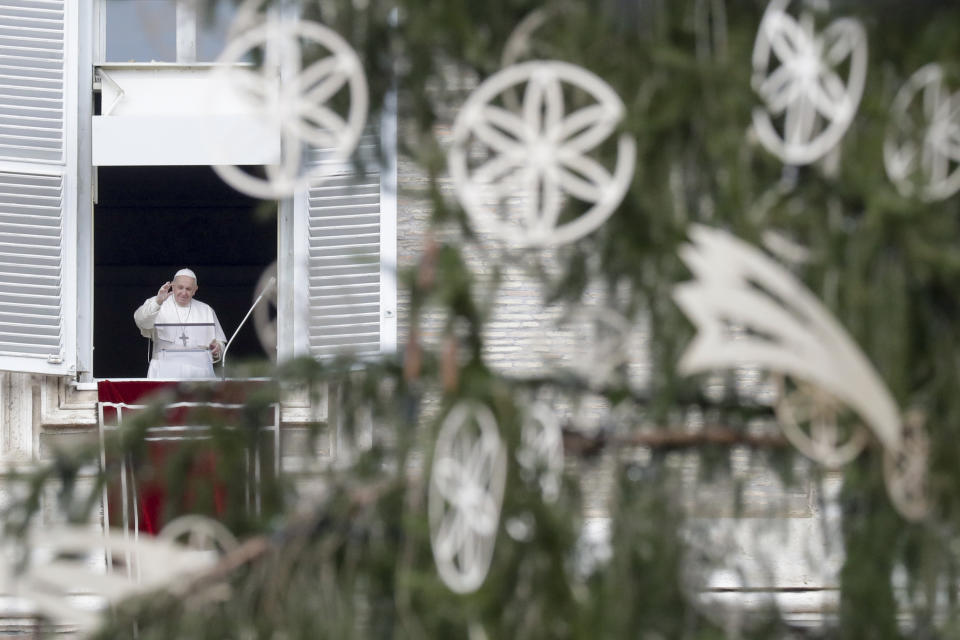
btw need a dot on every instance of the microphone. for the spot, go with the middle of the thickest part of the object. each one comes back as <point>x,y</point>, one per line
<point>223,358</point>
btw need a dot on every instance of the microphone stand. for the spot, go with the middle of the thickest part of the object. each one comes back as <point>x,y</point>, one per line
<point>223,358</point>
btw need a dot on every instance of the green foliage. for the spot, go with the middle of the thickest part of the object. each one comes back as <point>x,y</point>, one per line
<point>357,563</point>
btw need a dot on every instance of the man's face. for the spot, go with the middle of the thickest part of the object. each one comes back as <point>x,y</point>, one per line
<point>183,289</point>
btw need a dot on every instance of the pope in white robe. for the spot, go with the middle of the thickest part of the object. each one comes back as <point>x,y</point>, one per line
<point>181,348</point>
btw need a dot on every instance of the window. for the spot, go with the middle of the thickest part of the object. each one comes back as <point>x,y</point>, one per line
<point>183,31</point>
<point>151,221</point>
<point>347,223</point>
<point>335,244</point>
<point>38,185</point>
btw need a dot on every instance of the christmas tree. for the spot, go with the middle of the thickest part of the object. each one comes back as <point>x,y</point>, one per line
<point>744,214</point>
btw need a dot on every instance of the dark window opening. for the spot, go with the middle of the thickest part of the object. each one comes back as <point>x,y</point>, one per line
<point>151,221</point>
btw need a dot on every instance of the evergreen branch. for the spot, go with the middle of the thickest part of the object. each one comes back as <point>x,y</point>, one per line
<point>257,547</point>
<point>580,444</point>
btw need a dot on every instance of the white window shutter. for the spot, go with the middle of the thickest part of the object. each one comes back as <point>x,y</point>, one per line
<point>348,249</point>
<point>38,111</point>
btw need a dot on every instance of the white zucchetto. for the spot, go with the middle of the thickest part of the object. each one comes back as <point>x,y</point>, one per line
<point>186,272</point>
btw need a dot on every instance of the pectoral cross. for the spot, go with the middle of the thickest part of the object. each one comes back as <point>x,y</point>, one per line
<point>183,336</point>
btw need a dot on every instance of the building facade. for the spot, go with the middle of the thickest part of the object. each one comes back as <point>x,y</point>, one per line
<point>106,188</point>
<point>109,126</point>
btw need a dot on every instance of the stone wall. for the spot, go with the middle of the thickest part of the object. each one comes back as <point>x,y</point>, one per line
<point>41,414</point>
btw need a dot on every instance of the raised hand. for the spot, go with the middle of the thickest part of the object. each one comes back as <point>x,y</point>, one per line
<point>164,292</point>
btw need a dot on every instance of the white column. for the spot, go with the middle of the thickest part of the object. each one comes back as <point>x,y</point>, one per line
<point>186,31</point>
<point>299,295</point>
<point>16,417</point>
<point>90,45</point>
<point>286,280</point>
<point>99,33</point>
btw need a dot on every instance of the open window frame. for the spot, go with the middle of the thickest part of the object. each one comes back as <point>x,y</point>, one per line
<point>312,271</point>
<point>40,185</point>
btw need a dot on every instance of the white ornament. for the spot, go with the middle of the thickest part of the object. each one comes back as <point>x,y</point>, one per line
<point>923,138</point>
<point>905,470</point>
<point>786,329</point>
<point>465,496</point>
<point>519,43</point>
<point>250,14</point>
<point>295,100</point>
<point>74,574</point>
<point>609,345</point>
<point>826,442</point>
<point>796,73</point>
<point>538,154</point>
<point>200,533</point>
<point>265,313</point>
<point>541,450</point>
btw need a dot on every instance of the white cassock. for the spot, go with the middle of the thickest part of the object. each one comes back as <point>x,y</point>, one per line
<point>179,351</point>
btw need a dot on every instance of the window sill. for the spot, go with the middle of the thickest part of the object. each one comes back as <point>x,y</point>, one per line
<point>169,65</point>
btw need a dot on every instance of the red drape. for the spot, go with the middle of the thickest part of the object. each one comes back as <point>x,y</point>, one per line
<point>152,495</point>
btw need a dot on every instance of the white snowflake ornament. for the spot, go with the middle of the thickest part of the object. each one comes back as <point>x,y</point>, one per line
<point>532,160</point>
<point>808,103</point>
<point>465,496</point>
<point>922,143</point>
<point>810,407</point>
<point>294,94</point>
